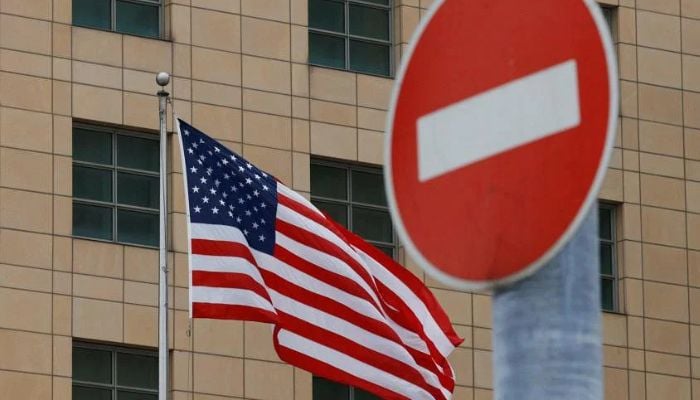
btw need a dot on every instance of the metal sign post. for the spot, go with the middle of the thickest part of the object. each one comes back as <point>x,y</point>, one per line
<point>546,328</point>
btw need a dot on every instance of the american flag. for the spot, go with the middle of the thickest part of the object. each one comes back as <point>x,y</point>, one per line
<point>340,308</point>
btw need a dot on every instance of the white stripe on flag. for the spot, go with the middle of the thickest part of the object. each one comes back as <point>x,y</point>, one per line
<point>351,365</point>
<point>351,332</point>
<point>230,296</point>
<point>325,261</point>
<point>288,215</point>
<point>295,196</point>
<point>430,326</point>
<point>226,264</point>
<point>306,281</point>
<point>217,232</point>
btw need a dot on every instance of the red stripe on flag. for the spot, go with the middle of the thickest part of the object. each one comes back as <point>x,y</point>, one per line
<point>368,356</point>
<point>228,311</point>
<point>301,209</point>
<point>223,248</point>
<point>345,312</point>
<point>333,279</point>
<point>229,280</point>
<point>329,306</point>
<point>331,372</point>
<point>411,281</point>
<point>413,324</point>
<point>321,244</point>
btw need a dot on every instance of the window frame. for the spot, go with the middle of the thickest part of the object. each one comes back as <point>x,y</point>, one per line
<point>114,168</point>
<point>349,203</point>
<point>610,17</point>
<point>113,18</point>
<point>114,387</point>
<point>613,277</point>
<point>347,36</point>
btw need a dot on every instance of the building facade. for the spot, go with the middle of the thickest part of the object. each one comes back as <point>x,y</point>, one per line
<point>301,88</point>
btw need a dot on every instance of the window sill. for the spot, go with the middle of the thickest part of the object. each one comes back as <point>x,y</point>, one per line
<point>158,38</point>
<point>93,239</point>
<point>614,312</point>
<point>351,71</point>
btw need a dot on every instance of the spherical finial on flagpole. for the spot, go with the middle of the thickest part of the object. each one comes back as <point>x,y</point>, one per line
<point>163,78</point>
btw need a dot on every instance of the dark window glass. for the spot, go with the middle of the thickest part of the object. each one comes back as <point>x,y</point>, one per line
<point>91,393</point>
<point>369,22</point>
<point>372,224</point>
<point>389,251</point>
<point>608,14</point>
<point>365,202</point>
<point>114,373</point>
<point>352,35</point>
<point>608,294</point>
<point>368,188</point>
<point>327,15</point>
<point>91,365</point>
<point>92,13</point>
<point>326,50</point>
<point>129,182</point>
<point>323,389</point>
<point>138,190</point>
<point>362,395</point>
<point>605,223</point>
<point>92,221</point>
<point>136,370</point>
<point>92,183</point>
<point>137,227</point>
<point>124,395</point>
<point>337,212</point>
<point>138,153</point>
<point>92,146</point>
<point>369,57</point>
<point>329,182</point>
<point>606,258</point>
<point>608,269</point>
<point>137,18</point>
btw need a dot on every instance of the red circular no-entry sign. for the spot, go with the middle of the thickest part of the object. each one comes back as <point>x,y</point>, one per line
<point>499,133</point>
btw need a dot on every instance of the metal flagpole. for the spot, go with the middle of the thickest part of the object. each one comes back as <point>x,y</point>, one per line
<point>163,78</point>
<point>546,328</point>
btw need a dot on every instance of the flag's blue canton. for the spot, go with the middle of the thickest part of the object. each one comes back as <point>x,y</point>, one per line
<point>224,188</point>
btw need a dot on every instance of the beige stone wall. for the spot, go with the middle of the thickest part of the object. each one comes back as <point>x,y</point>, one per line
<point>240,73</point>
<point>652,348</point>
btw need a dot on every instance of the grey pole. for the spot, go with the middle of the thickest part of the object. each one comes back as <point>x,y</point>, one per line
<point>546,328</point>
<point>163,78</point>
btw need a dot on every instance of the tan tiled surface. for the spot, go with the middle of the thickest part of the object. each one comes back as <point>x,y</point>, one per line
<point>239,72</point>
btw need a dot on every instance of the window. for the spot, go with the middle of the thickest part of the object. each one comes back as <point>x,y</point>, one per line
<point>609,15</point>
<point>354,197</point>
<point>114,373</point>
<point>351,34</point>
<point>608,265</point>
<point>116,193</point>
<point>135,17</point>
<point>323,389</point>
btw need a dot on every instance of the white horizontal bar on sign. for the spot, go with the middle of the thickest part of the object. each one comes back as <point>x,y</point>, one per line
<point>511,115</point>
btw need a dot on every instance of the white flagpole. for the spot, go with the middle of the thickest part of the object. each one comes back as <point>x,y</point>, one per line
<point>163,78</point>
